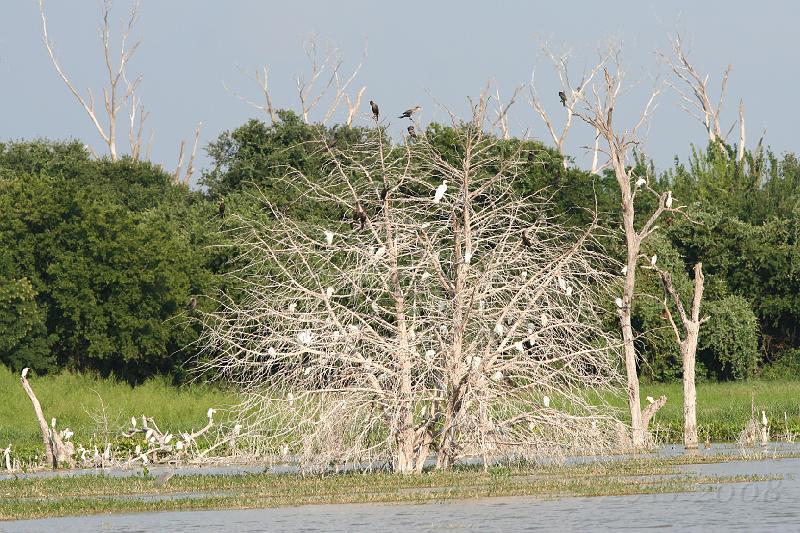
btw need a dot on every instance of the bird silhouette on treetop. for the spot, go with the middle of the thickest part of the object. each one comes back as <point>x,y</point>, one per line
<point>408,112</point>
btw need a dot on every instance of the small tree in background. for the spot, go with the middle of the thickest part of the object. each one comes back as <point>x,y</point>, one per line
<point>445,315</point>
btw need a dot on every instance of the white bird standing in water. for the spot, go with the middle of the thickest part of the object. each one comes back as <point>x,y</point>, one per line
<point>440,190</point>
<point>668,202</point>
<point>329,237</point>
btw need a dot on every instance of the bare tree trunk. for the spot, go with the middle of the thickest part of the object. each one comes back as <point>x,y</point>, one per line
<point>37,408</point>
<point>691,326</point>
<point>689,351</point>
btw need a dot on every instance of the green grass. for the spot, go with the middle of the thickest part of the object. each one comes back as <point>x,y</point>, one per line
<point>36,498</point>
<point>723,409</point>
<point>71,399</point>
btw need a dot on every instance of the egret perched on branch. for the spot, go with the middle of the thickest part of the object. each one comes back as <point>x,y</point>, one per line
<point>545,320</point>
<point>618,301</point>
<point>546,400</point>
<point>380,251</point>
<point>440,190</point>
<point>271,352</point>
<point>497,376</point>
<point>569,291</point>
<point>467,258</point>
<point>25,372</point>
<point>640,182</point>
<point>668,201</point>
<point>519,346</point>
<point>304,337</point>
<point>133,421</point>
<point>654,259</point>
<point>624,270</point>
<point>329,237</point>
<point>650,399</point>
<point>499,329</point>
<point>329,292</point>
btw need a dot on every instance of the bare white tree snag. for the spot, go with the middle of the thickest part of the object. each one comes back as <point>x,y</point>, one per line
<point>119,92</point>
<point>464,326</point>
<point>501,121</point>
<point>649,412</point>
<point>686,336</point>
<point>693,90</point>
<point>742,133</point>
<point>176,176</point>
<point>573,96</point>
<point>56,451</point>
<point>599,114</point>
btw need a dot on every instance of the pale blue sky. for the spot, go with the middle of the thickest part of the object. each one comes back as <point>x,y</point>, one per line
<point>415,51</point>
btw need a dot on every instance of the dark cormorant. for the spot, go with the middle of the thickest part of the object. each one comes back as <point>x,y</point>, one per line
<point>563,98</point>
<point>375,110</point>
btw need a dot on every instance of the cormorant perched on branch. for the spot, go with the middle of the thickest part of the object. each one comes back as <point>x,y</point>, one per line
<point>359,215</point>
<point>408,112</point>
<point>563,98</point>
<point>525,240</point>
<point>384,193</point>
<point>222,208</point>
<point>375,110</point>
<point>411,132</point>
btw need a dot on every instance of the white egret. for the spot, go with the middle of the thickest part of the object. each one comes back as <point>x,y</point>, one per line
<point>133,421</point>
<point>179,445</point>
<point>380,251</point>
<point>499,329</point>
<point>497,376</point>
<point>668,202</point>
<point>519,346</point>
<point>654,259</point>
<point>429,354</point>
<point>329,237</point>
<point>640,182</point>
<point>272,352</point>
<point>292,307</point>
<point>650,399</point>
<point>306,370</point>
<point>304,337</point>
<point>562,284</point>
<point>68,434</point>
<point>544,320</point>
<point>440,190</point>
<point>624,270</point>
<point>618,301</point>
<point>25,372</point>
<point>424,276</point>
<point>569,291</point>
<point>329,292</point>
<point>546,400</point>
<point>210,413</point>
<point>764,421</point>
<point>107,452</point>
<point>467,258</point>
<point>290,398</point>
<point>443,329</point>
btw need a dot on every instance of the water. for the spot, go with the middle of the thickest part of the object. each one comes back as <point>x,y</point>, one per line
<point>757,506</point>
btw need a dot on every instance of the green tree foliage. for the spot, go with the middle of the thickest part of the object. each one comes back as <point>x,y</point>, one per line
<point>728,344</point>
<point>111,252</point>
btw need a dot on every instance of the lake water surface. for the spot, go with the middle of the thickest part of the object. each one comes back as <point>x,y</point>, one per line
<point>761,506</point>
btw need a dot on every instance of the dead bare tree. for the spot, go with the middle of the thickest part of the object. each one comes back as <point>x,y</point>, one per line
<point>324,79</point>
<point>58,449</point>
<point>599,114</point>
<point>119,92</point>
<point>693,90</point>
<point>686,336</point>
<point>572,97</point>
<point>446,319</point>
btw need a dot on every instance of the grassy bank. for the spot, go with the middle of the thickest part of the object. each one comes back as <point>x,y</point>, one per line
<point>723,409</point>
<point>88,404</point>
<point>36,498</point>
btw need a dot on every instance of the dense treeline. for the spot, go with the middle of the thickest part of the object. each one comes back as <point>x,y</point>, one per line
<point>99,259</point>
